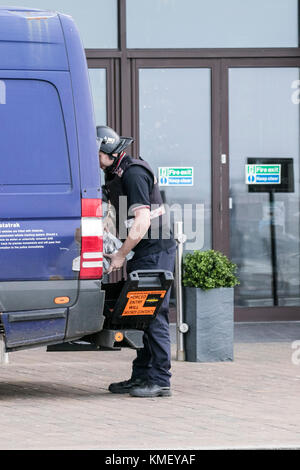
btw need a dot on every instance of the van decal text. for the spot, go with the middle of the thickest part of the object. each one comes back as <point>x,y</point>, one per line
<point>9,225</point>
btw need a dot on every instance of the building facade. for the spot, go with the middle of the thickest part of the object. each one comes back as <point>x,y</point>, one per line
<point>209,89</point>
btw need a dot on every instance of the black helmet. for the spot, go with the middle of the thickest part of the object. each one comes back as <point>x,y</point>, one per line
<point>110,142</point>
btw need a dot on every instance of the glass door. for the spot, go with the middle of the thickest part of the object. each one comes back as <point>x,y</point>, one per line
<point>264,203</point>
<point>177,110</point>
<point>102,79</point>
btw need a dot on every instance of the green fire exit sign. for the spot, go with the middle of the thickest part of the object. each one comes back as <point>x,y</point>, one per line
<point>263,174</point>
<point>175,176</point>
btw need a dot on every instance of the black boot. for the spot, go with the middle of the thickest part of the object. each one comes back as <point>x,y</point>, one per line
<point>149,390</point>
<point>125,386</point>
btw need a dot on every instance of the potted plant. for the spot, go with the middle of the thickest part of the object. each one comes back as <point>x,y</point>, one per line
<point>209,279</point>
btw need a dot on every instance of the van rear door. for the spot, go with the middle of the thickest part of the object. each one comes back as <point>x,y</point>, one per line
<point>40,205</point>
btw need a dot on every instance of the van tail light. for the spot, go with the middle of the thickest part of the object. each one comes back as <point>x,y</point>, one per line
<point>91,259</point>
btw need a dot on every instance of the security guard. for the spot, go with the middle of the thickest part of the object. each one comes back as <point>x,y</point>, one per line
<point>133,178</point>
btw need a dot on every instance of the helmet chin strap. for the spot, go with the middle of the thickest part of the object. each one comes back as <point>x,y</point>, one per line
<point>117,160</point>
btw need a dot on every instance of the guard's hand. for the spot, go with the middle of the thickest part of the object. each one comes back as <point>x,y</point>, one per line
<point>117,261</point>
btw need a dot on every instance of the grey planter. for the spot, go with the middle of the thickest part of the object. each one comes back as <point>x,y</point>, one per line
<point>209,315</point>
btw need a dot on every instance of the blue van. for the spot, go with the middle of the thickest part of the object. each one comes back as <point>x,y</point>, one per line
<point>50,193</point>
<point>51,234</point>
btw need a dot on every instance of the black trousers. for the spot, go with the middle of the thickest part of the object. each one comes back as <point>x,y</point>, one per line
<point>153,362</point>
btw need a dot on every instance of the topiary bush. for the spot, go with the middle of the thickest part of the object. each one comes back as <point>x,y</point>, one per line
<point>208,270</point>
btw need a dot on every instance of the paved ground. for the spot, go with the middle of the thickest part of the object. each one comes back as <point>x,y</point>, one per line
<point>60,400</point>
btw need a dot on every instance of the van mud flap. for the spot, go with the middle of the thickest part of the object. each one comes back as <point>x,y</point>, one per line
<point>129,307</point>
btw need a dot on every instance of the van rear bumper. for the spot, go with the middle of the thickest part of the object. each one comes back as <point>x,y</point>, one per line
<point>24,327</point>
<point>18,296</point>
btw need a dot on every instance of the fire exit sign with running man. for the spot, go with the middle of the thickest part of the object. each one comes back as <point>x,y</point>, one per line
<point>263,174</point>
<point>176,176</point>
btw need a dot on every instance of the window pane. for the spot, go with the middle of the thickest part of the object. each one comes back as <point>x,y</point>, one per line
<point>98,86</point>
<point>265,233</point>
<point>175,131</point>
<point>33,143</point>
<point>213,23</point>
<point>97,20</point>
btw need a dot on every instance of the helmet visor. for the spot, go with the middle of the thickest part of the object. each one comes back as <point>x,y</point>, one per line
<point>123,144</point>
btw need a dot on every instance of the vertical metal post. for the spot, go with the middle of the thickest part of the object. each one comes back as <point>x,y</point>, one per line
<point>273,247</point>
<point>3,353</point>
<point>180,238</point>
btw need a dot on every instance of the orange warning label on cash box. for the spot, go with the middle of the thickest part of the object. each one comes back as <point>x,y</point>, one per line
<point>143,302</point>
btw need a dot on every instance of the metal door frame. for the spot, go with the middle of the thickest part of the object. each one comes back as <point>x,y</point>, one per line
<point>112,93</point>
<point>122,110</point>
<point>247,313</point>
<point>216,166</point>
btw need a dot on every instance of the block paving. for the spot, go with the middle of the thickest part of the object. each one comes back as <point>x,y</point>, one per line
<point>59,400</point>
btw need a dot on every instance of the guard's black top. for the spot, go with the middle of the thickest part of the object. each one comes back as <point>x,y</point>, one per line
<point>138,184</point>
